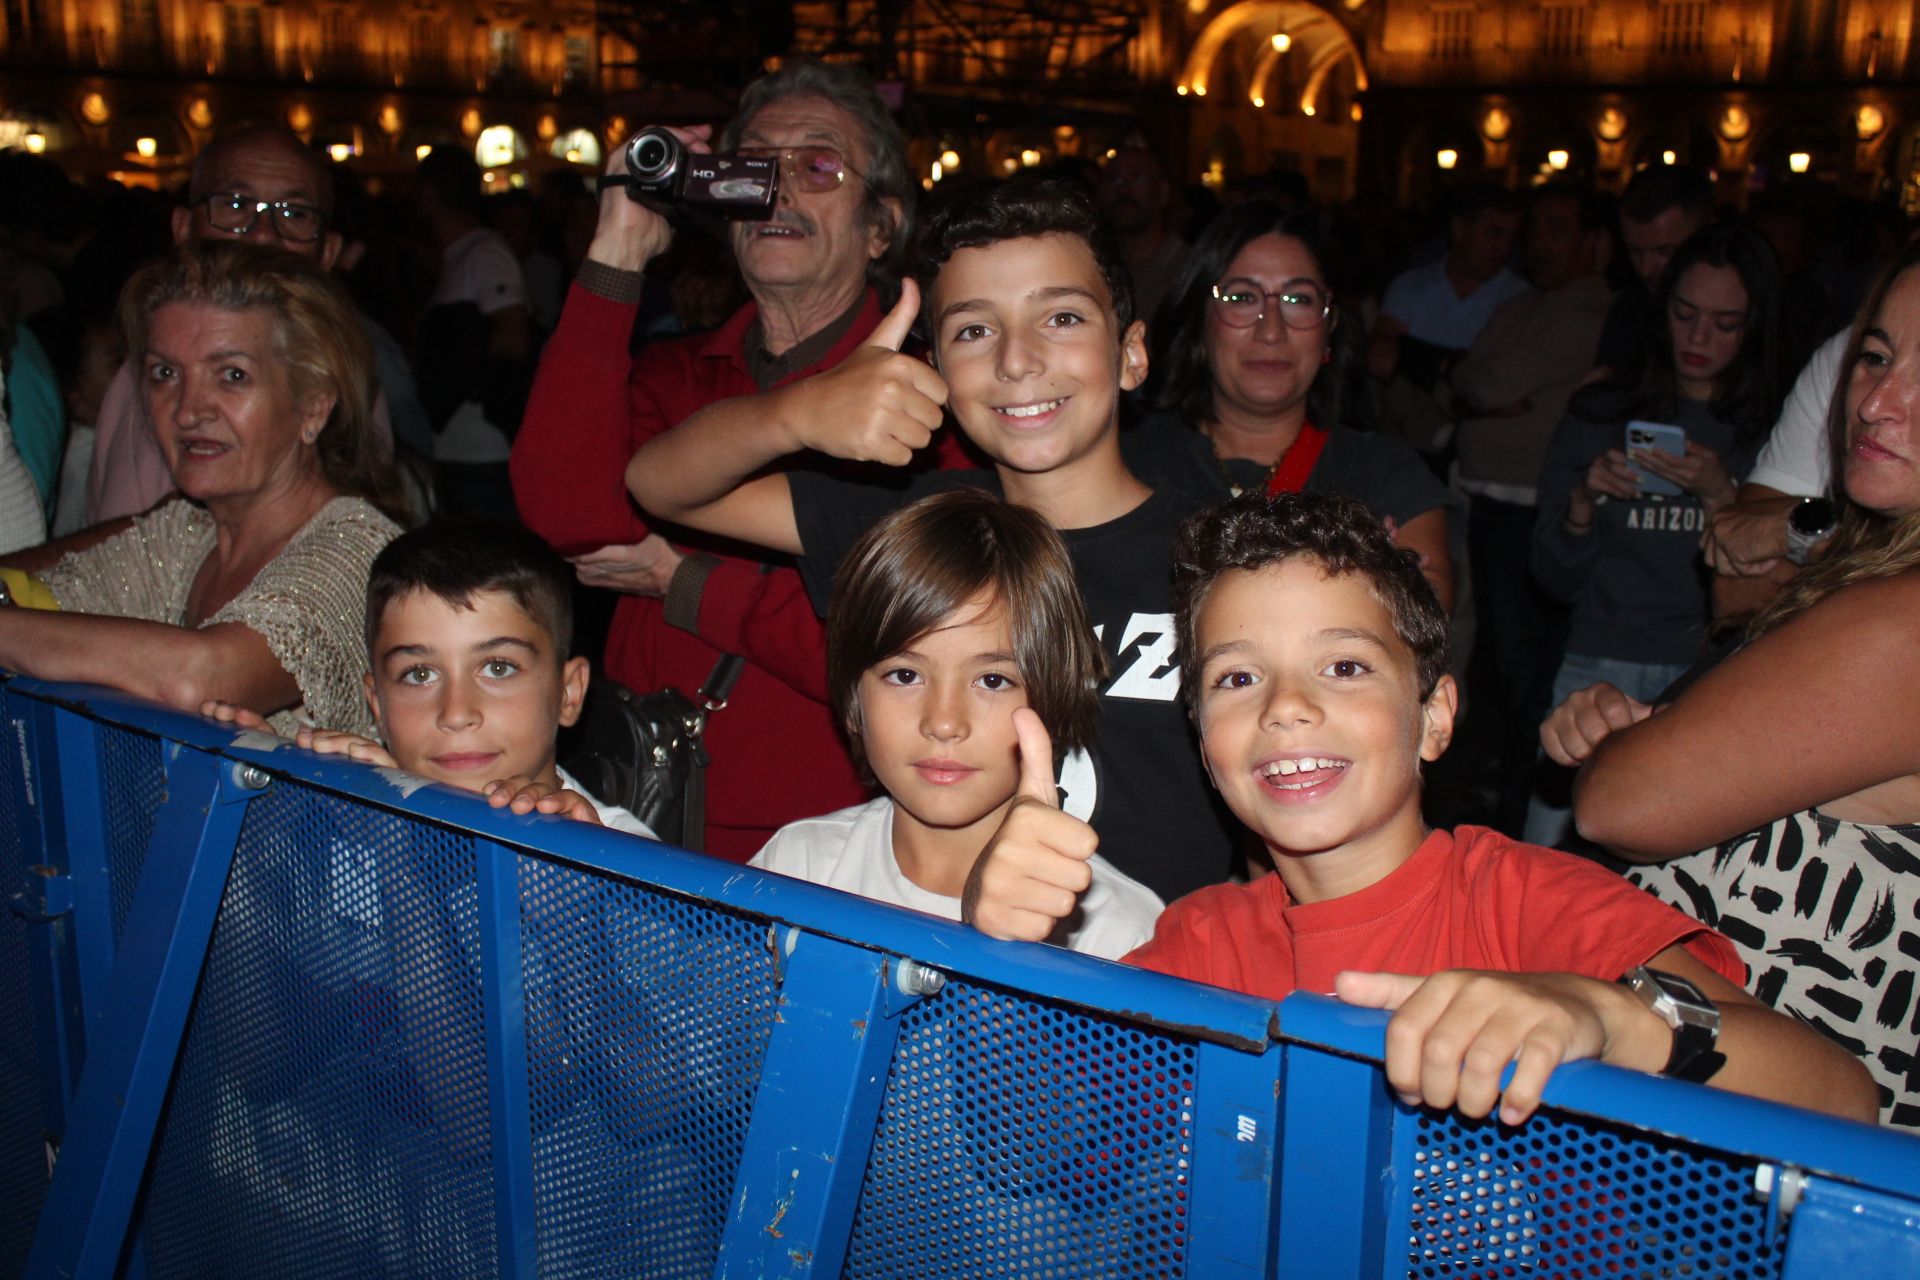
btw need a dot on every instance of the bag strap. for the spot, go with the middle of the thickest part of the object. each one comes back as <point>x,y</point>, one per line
<point>718,688</point>
<point>1296,465</point>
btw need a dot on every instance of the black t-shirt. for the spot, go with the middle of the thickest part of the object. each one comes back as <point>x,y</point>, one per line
<point>1142,786</point>
<point>1384,474</point>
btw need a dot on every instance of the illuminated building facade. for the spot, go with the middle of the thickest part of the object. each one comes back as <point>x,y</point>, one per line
<point>1354,94</point>
<point>133,88</point>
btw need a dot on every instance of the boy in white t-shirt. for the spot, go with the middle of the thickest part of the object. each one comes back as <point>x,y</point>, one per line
<point>960,660</point>
<point>468,627</point>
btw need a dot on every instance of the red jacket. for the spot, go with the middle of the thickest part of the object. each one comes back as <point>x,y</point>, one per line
<point>776,754</point>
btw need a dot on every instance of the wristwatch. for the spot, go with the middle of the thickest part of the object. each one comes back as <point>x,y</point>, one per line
<point>1808,524</point>
<point>1694,1018</point>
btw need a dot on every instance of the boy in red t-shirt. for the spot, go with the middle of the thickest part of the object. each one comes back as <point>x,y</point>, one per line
<point>1314,658</point>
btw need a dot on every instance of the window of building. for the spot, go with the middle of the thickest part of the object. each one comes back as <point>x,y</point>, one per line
<point>1682,26</point>
<point>337,34</point>
<point>578,55</point>
<point>241,25</point>
<point>140,24</point>
<point>1563,30</point>
<point>1452,31</point>
<point>503,52</point>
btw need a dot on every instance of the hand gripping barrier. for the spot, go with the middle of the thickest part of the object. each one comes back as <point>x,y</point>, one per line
<point>271,1014</point>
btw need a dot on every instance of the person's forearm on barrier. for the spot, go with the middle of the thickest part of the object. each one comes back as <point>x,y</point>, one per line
<point>182,667</point>
<point>1454,1033</point>
<point>36,560</point>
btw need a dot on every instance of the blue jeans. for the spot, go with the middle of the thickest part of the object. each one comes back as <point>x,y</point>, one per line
<point>1548,823</point>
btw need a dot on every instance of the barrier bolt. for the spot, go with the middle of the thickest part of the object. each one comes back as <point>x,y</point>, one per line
<point>252,777</point>
<point>912,978</point>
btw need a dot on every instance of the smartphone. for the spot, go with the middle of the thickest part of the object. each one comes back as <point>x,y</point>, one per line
<point>1660,437</point>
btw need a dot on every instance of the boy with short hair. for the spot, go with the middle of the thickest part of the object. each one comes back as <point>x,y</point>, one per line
<point>1034,341</point>
<point>468,626</point>
<point>1314,656</point>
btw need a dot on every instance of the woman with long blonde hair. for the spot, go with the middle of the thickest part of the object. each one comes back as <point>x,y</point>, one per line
<point>1779,796</point>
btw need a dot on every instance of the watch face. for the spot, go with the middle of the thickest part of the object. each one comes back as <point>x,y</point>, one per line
<point>1813,518</point>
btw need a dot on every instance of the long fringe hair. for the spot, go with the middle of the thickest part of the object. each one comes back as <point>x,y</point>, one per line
<point>1867,544</point>
<point>317,336</point>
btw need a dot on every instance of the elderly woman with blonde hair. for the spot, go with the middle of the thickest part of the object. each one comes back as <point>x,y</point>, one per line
<point>248,585</point>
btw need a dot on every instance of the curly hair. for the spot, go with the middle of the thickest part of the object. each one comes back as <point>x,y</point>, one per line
<point>1254,531</point>
<point>317,338</point>
<point>915,570</point>
<point>1867,544</point>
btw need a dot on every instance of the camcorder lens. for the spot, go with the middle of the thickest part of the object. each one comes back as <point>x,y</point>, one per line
<point>650,156</point>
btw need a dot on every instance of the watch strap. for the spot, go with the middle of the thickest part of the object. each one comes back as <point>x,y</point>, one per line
<point>1695,1054</point>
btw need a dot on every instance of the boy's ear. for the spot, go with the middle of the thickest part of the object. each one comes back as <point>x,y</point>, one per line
<point>573,689</point>
<point>1133,355</point>
<point>1436,719</point>
<point>373,704</point>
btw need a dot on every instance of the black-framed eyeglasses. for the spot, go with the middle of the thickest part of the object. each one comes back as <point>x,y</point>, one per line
<point>235,212</point>
<point>1242,304</point>
<point>810,168</point>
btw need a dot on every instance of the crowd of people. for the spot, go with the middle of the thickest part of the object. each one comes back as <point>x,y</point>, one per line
<point>1222,585</point>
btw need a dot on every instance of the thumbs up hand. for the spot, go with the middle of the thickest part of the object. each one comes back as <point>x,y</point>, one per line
<point>1032,873</point>
<point>876,405</point>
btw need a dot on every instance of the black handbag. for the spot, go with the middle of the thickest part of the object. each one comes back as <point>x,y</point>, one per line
<point>646,752</point>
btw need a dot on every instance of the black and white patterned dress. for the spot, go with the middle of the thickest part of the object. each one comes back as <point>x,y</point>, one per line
<point>1826,915</point>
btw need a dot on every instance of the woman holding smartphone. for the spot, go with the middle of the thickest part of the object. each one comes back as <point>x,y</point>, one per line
<point>1627,558</point>
<point>1791,767</point>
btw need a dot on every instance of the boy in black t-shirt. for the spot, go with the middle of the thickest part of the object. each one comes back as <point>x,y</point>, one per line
<point>1034,340</point>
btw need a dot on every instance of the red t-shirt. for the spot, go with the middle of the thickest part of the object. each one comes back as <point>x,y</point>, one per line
<point>1469,899</point>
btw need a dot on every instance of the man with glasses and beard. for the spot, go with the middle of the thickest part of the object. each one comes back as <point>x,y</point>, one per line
<point>260,184</point>
<point>816,270</point>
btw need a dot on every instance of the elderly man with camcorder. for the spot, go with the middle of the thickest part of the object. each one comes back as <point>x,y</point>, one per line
<point>812,178</point>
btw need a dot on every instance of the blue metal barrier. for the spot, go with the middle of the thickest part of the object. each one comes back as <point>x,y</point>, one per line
<point>279,1014</point>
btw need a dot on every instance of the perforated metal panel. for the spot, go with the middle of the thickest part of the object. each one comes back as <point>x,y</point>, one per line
<point>648,1019</point>
<point>134,782</point>
<point>1562,1198</point>
<point>1022,1139</point>
<point>329,1116</point>
<point>23,1159</point>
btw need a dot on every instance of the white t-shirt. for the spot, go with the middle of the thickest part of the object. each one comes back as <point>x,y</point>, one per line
<point>481,269</point>
<point>1795,459</point>
<point>612,816</point>
<point>853,850</point>
<point>1422,298</point>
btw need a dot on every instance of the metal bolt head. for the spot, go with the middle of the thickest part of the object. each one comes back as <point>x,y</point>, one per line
<point>252,777</point>
<point>915,979</point>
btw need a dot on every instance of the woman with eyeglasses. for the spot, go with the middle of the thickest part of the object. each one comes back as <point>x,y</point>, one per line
<point>1258,367</point>
<point>249,586</point>
<point>1620,524</point>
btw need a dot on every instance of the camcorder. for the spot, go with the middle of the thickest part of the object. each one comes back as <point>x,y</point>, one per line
<point>659,167</point>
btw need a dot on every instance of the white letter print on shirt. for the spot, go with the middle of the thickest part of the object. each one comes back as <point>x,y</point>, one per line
<point>1151,676</point>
